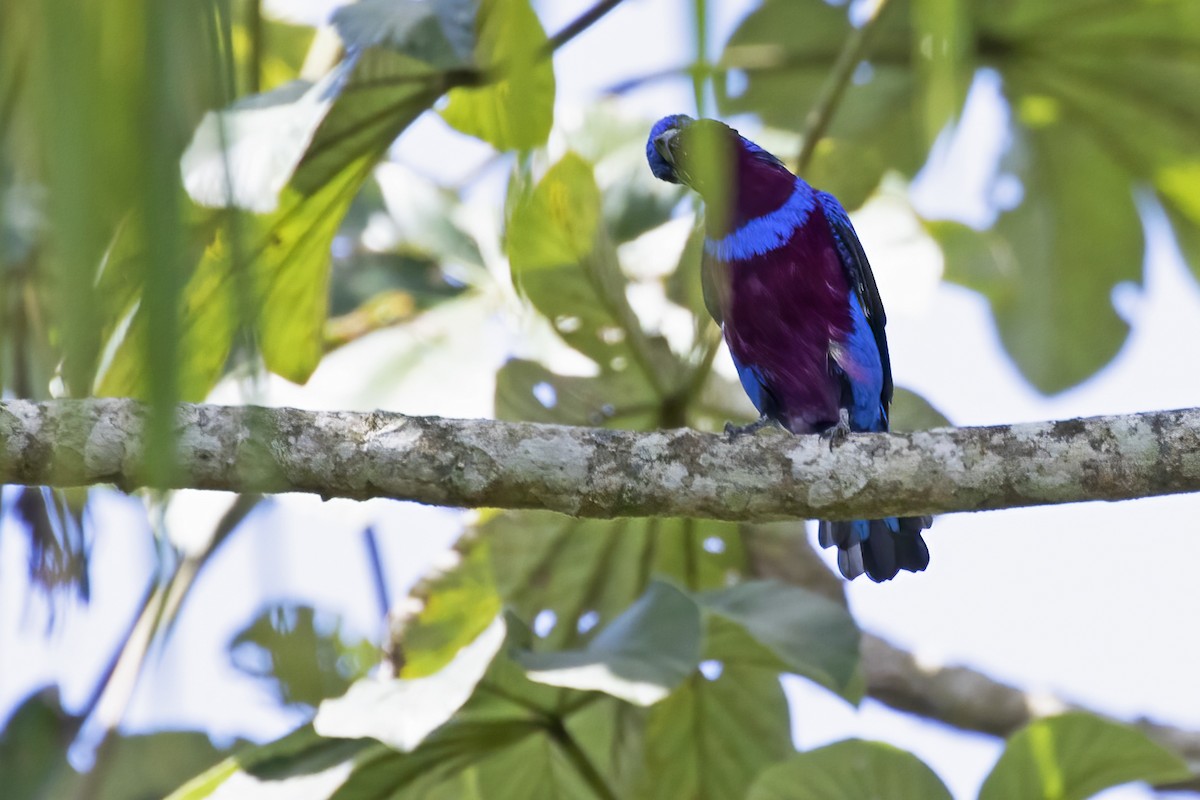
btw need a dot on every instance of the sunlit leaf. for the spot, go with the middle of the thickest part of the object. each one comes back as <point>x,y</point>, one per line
<point>563,260</point>
<point>1048,275</point>
<point>455,607</point>
<point>401,713</point>
<point>851,770</point>
<point>516,111</point>
<point>1076,755</point>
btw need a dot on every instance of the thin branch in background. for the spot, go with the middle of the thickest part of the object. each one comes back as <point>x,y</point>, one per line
<point>821,114</point>
<point>579,25</point>
<point>378,574</point>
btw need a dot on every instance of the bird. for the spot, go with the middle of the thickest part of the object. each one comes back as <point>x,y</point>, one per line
<point>785,276</point>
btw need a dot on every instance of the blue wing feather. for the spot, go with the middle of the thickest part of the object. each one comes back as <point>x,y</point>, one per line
<point>862,285</point>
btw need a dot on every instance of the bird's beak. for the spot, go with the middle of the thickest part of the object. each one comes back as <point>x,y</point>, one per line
<point>664,142</point>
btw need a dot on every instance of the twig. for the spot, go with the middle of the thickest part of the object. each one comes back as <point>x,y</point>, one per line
<point>822,112</point>
<point>579,25</point>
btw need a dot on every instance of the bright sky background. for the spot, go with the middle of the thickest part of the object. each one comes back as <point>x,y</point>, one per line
<point>1094,603</point>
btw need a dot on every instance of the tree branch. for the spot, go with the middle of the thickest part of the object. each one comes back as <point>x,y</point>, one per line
<point>593,472</point>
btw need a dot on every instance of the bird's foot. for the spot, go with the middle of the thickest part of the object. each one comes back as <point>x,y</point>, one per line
<point>734,431</point>
<point>838,433</point>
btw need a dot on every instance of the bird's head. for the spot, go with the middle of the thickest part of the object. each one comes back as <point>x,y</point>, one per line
<point>712,158</point>
<point>699,153</point>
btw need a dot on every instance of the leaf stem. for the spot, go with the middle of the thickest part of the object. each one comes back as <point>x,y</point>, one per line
<point>821,114</point>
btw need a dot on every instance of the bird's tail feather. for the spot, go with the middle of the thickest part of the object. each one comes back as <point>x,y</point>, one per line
<point>878,547</point>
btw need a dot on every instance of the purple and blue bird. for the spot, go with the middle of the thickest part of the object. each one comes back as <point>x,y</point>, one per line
<point>786,278</point>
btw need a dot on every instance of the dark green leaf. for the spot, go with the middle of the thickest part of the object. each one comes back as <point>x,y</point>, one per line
<point>800,631</point>
<point>786,48</point>
<point>640,657</point>
<point>33,745</point>
<point>711,738</point>
<point>1076,755</point>
<point>911,412</point>
<point>852,770</point>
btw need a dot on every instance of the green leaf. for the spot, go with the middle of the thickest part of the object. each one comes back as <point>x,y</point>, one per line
<point>555,226</point>
<point>1076,755</point>
<point>273,269</point>
<point>33,745</point>
<point>1047,274</point>
<point>516,111</point>
<point>456,607</point>
<point>640,657</point>
<point>851,770</point>
<point>401,713</point>
<point>526,390</point>
<point>911,412</point>
<point>303,653</point>
<point>302,766</point>
<point>797,630</point>
<point>589,571</point>
<point>562,259</point>
<point>785,48</point>
<point>711,738</point>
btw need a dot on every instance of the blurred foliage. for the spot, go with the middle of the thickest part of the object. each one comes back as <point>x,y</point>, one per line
<point>33,757</point>
<point>555,657</point>
<point>301,653</point>
<point>1101,102</point>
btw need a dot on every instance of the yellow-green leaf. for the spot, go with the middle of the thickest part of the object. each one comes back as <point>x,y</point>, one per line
<point>515,112</point>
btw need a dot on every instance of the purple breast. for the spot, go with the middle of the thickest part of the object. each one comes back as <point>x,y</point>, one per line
<point>781,312</point>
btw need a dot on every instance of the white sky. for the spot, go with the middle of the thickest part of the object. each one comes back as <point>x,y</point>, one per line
<point>1095,603</point>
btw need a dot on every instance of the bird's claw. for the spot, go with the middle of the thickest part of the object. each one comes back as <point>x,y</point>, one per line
<point>838,433</point>
<point>734,431</point>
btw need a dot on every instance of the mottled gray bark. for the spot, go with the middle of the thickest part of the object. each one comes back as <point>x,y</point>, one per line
<point>595,472</point>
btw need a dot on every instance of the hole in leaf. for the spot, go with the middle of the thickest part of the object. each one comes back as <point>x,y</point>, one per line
<point>545,394</point>
<point>736,83</point>
<point>587,621</point>
<point>567,324</point>
<point>711,669</point>
<point>544,623</point>
<point>863,73</point>
<point>714,544</point>
<point>1007,191</point>
<point>611,334</point>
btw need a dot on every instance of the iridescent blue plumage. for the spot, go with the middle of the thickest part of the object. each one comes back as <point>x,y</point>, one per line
<point>787,279</point>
